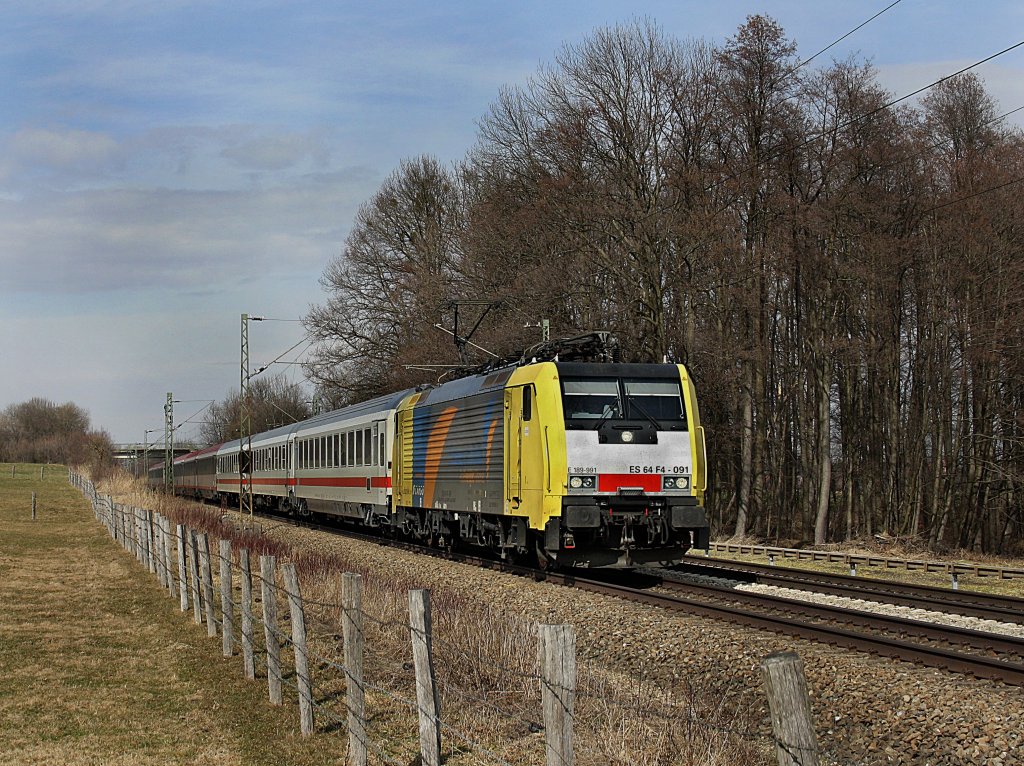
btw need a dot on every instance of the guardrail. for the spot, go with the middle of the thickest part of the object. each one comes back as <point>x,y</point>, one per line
<point>858,559</point>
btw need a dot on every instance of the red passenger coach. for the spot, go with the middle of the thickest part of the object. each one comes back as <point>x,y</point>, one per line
<point>195,474</point>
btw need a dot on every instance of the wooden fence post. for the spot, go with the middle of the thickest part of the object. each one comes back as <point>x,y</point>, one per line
<point>147,520</point>
<point>227,607</point>
<point>790,706</point>
<point>167,556</point>
<point>163,561</point>
<point>143,546</point>
<point>33,506</point>
<point>158,550</point>
<point>206,575</point>
<point>193,575</point>
<point>304,682</point>
<point>427,698</point>
<point>248,661</point>
<point>557,649</point>
<point>352,632</point>
<point>179,530</point>
<point>268,589</point>
<point>137,534</point>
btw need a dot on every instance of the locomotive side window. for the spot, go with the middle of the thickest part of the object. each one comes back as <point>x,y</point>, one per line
<point>657,399</point>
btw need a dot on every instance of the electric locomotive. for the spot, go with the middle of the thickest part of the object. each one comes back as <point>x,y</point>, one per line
<point>580,464</point>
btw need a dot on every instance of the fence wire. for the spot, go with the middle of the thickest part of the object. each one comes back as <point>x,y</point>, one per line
<point>154,541</point>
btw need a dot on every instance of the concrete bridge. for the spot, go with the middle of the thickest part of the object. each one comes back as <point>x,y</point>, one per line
<point>133,456</point>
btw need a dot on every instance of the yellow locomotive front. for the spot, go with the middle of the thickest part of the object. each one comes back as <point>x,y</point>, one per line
<point>607,462</point>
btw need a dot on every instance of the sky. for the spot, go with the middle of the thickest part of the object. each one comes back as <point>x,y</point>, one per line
<point>167,166</point>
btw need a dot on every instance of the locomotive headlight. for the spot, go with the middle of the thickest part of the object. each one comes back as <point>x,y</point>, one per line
<point>581,482</point>
<point>676,482</point>
<point>627,436</point>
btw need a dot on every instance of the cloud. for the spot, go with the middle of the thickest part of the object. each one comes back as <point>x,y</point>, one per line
<point>278,152</point>
<point>62,149</point>
<point>101,240</point>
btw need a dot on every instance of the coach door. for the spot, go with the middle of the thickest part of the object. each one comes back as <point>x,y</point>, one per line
<point>290,482</point>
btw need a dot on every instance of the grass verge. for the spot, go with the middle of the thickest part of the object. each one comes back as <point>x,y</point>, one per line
<point>98,666</point>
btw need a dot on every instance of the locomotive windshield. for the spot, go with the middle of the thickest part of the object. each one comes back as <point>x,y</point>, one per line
<point>590,401</point>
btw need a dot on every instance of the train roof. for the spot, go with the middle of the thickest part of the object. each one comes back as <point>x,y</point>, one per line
<point>467,386</point>
<point>197,453</point>
<point>379,404</point>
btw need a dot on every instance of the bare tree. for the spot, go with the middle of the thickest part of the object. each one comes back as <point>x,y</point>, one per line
<point>389,285</point>
<point>275,402</point>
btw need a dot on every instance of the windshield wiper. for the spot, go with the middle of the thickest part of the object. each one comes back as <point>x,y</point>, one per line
<point>655,423</point>
<point>612,412</point>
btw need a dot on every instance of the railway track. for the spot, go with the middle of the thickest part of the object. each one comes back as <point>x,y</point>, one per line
<point>868,632</point>
<point>881,635</point>
<point>967,603</point>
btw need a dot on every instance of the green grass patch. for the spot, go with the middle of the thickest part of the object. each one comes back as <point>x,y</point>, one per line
<point>97,664</point>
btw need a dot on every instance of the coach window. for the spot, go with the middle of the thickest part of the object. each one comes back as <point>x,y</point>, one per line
<point>351,448</point>
<point>366,445</point>
<point>359,447</point>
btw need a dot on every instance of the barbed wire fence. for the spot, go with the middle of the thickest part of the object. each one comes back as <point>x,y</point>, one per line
<point>336,660</point>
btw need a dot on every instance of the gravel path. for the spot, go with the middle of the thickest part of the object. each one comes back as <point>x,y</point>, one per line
<point>868,710</point>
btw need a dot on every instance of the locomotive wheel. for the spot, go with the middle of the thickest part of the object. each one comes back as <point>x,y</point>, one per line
<point>544,562</point>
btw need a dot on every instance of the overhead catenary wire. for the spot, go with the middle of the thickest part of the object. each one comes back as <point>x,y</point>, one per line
<point>854,120</point>
<point>958,200</point>
<point>838,40</point>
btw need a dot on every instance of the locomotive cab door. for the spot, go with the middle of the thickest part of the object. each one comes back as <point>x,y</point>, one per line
<point>524,456</point>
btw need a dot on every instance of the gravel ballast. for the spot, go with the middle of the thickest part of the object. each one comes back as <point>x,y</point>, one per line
<point>868,710</point>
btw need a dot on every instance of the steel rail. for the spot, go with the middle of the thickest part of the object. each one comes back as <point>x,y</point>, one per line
<point>930,656</point>
<point>968,603</point>
<point>903,625</point>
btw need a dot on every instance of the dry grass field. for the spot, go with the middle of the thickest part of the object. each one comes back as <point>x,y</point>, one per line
<point>98,666</point>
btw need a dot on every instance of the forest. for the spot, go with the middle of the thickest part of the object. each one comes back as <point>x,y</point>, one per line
<point>839,268</point>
